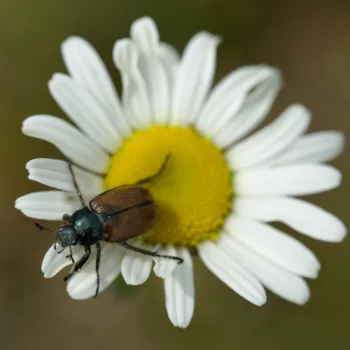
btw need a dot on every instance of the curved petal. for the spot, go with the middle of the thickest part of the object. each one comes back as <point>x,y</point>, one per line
<point>271,140</point>
<point>71,142</point>
<point>230,271</point>
<point>48,205</point>
<point>194,78</point>
<point>294,180</point>
<point>228,96</point>
<point>164,267</point>
<point>56,259</point>
<point>85,110</point>
<point>179,291</point>
<point>170,59</point>
<point>83,284</point>
<point>86,67</point>
<point>274,245</point>
<point>317,147</point>
<point>303,217</point>
<point>136,267</point>
<point>146,38</point>
<point>283,283</point>
<point>255,108</point>
<point>135,97</point>
<point>55,173</point>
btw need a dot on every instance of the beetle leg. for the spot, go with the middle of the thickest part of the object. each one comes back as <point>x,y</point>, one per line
<point>153,254</point>
<point>75,183</point>
<point>80,263</point>
<point>161,169</point>
<point>70,256</point>
<point>98,259</point>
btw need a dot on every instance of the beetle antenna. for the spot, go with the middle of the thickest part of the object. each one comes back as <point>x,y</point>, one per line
<point>41,228</point>
<point>147,252</point>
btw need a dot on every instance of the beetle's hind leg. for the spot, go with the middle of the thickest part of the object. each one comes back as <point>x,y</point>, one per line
<point>79,264</point>
<point>98,259</point>
<point>161,169</point>
<point>153,254</point>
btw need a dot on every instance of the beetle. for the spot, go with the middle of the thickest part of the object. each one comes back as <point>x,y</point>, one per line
<point>113,216</point>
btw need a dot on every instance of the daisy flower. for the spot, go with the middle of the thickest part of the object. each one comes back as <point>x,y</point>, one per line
<point>221,187</point>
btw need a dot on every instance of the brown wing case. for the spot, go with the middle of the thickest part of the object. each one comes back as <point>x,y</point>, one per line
<point>130,223</point>
<point>120,198</point>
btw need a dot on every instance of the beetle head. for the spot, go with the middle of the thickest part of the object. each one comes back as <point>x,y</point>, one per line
<point>66,236</point>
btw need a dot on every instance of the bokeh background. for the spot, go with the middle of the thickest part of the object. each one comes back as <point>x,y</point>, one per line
<point>308,40</point>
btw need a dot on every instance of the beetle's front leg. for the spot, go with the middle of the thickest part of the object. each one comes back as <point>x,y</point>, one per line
<point>80,263</point>
<point>70,256</point>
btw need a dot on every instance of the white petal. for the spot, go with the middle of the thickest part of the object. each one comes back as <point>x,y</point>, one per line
<point>55,173</point>
<point>48,205</point>
<point>303,217</point>
<point>83,284</point>
<point>56,259</point>
<point>86,67</point>
<point>135,97</point>
<point>276,246</point>
<point>231,272</point>
<point>296,180</point>
<point>194,78</point>
<point>320,147</point>
<point>164,267</point>
<point>228,96</point>
<point>271,140</point>
<point>85,110</point>
<point>254,109</point>
<point>146,37</point>
<point>179,291</point>
<point>136,267</point>
<point>145,34</point>
<point>170,59</point>
<point>283,283</point>
<point>71,142</point>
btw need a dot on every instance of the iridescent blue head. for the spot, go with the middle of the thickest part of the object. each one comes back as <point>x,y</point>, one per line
<point>66,236</point>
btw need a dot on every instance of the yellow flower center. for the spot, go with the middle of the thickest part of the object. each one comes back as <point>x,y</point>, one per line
<point>193,192</point>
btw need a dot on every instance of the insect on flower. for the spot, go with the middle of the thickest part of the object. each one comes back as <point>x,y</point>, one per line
<point>113,216</point>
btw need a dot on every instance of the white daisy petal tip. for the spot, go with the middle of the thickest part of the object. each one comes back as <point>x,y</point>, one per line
<point>340,235</point>
<point>54,261</point>
<point>179,291</point>
<point>145,33</point>
<point>164,267</point>
<point>55,79</point>
<point>135,267</point>
<point>209,38</point>
<point>303,299</point>
<point>125,54</point>
<point>276,246</point>
<point>72,41</point>
<point>231,272</point>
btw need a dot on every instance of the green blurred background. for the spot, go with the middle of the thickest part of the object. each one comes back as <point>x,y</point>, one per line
<point>309,41</point>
